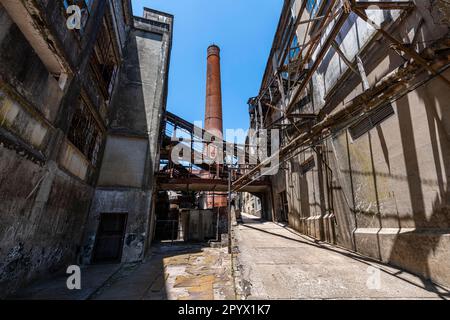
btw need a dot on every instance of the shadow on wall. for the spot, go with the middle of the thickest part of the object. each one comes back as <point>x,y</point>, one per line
<point>417,236</point>
<point>299,195</point>
<point>426,250</point>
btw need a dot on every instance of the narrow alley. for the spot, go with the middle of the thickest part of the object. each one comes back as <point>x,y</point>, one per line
<point>235,150</point>
<point>272,262</point>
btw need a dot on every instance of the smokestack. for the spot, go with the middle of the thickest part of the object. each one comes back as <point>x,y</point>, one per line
<point>213,113</point>
<point>213,120</point>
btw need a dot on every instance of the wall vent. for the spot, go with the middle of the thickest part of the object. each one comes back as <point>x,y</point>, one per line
<point>371,121</point>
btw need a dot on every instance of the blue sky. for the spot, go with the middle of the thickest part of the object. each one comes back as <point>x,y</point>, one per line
<point>244,29</point>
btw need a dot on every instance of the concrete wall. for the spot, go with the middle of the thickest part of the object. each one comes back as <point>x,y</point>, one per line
<point>41,228</point>
<point>386,193</point>
<point>126,182</point>
<point>399,178</point>
<point>22,67</point>
<point>46,183</point>
<point>124,162</point>
<point>136,204</point>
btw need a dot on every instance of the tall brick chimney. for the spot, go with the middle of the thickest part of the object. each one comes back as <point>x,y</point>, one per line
<point>213,112</point>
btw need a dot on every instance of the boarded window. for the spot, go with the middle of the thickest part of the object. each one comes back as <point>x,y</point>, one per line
<point>371,121</point>
<point>84,133</point>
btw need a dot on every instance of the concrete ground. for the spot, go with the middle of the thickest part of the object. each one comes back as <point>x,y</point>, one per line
<point>276,262</point>
<point>175,272</point>
<point>272,262</point>
<point>55,287</point>
<point>178,272</point>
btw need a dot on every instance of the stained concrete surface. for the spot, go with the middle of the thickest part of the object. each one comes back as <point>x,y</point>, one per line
<point>175,272</point>
<point>276,262</point>
<point>272,262</point>
<point>172,271</point>
<point>55,288</point>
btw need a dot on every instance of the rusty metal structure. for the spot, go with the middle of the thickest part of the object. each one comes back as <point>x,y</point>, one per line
<point>292,90</point>
<point>210,176</point>
<point>193,176</point>
<point>358,91</point>
<point>203,170</point>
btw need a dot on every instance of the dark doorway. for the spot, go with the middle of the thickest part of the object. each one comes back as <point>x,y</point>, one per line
<point>284,207</point>
<point>110,235</point>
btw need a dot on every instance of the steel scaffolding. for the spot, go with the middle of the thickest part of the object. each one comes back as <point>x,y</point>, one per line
<point>311,52</point>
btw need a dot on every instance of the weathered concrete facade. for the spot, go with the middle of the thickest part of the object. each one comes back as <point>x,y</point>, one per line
<point>62,99</point>
<point>126,183</point>
<point>377,179</point>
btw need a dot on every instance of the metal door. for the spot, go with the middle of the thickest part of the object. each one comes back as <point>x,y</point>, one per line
<point>110,236</point>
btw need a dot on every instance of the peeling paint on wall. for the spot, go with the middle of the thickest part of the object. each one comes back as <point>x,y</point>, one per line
<point>74,161</point>
<point>17,119</point>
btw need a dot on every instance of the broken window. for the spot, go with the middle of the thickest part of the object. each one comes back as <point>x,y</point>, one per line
<point>104,62</point>
<point>85,133</point>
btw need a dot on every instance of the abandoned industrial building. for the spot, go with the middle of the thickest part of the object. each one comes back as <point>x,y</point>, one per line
<point>96,172</point>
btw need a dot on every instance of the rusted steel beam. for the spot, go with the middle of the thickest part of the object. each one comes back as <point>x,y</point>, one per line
<point>293,32</point>
<point>279,44</point>
<point>326,46</point>
<point>312,20</point>
<point>384,5</point>
<point>313,42</point>
<point>344,58</point>
<point>368,100</point>
<point>201,134</point>
<point>412,53</point>
<point>345,14</point>
<point>396,85</point>
<point>390,88</point>
<point>314,39</point>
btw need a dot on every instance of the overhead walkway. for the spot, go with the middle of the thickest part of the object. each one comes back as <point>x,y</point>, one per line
<point>194,176</point>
